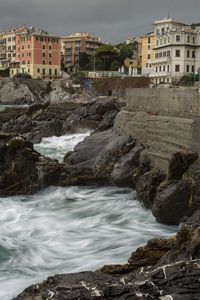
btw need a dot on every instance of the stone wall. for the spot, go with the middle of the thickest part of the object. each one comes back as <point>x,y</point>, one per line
<point>164,120</point>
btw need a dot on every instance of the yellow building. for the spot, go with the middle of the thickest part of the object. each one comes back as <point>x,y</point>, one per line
<point>148,44</point>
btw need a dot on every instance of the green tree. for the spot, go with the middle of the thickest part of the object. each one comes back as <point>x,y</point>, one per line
<point>125,51</point>
<point>107,54</point>
<point>83,60</point>
<point>115,65</point>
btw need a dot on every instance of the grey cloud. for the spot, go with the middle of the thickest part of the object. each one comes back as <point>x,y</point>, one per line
<point>114,20</point>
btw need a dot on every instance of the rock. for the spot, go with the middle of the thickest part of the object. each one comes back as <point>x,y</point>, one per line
<point>90,163</point>
<point>180,163</point>
<point>82,286</point>
<point>127,166</point>
<point>22,169</point>
<point>146,186</point>
<point>172,202</point>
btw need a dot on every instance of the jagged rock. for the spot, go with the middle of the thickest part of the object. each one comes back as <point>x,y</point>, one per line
<point>180,163</point>
<point>172,202</point>
<point>146,186</point>
<point>127,166</point>
<point>44,120</point>
<point>22,169</point>
<point>92,160</point>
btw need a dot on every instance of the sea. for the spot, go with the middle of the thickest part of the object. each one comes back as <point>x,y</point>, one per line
<point>69,229</point>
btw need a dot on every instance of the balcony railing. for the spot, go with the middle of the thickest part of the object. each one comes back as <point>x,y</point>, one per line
<point>160,60</point>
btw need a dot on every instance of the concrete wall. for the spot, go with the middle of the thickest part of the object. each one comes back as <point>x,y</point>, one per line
<point>164,120</point>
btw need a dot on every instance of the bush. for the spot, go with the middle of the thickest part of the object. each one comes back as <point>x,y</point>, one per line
<point>189,79</point>
<point>5,73</point>
<point>22,75</point>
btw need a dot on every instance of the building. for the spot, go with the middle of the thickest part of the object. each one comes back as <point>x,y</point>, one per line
<point>177,50</point>
<point>148,54</point>
<point>134,64</point>
<point>8,46</point>
<point>37,54</point>
<point>75,43</point>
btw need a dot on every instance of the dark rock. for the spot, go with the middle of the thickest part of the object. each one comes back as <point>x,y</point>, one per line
<point>22,169</point>
<point>92,160</point>
<point>180,163</point>
<point>127,166</point>
<point>146,186</point>
<point>82,286</point>
<point>172,202</point>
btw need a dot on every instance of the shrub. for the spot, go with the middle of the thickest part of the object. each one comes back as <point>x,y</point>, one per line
<point>22,75</point>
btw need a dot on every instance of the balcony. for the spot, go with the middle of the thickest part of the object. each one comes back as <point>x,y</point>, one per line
<point>160,60</point>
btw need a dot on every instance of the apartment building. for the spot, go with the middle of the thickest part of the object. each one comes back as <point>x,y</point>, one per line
<point>75,43</point>
<point>148,53</point>
<point>177,50</point>
<point>8,46</point>
<point>37,54</point>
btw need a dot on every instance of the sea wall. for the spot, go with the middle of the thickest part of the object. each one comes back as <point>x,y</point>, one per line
<point>164,120</point>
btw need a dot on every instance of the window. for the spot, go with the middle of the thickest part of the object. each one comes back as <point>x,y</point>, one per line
<point>18,49</point>
<point>43,62</point>
<point>163,30</point>
<point>9,48</point>
<point>164,54</point>
<point>192,69</point>
<point>22,54</point>
<point>158,32</point>
<point>193,54</point>
<point>177,68</point>
<point>168,53</point>
<point>160,41</point>
<point>14,54</point>
<point>50,72</point>
<point>156,69</point>
<point>160,69</point>
<point>149,47</point>
<point>164,40</point>
<point>148,56</point>
<point>147,65</point>
<point>168,39</point>
<point>38,70</point>
<point>50,62</point>
<point>178,38</point>
<point>19,56</point>
<point>23,62</point>
<point>49,40</point>
<point>14,47</point>
<point>193,39</point>
<point>28,53</point>
<point>22,46</point>
<point>49,47</point>
<point>29,46</point>
<point>43,72</point>
<point>37,38</point>
<point>178,54</point>
<point>156,55</point>
<point>188,53</point>
<point>149,40</point>
<point>156,42</point>
<point>188,68</point>
<point>43,46</point>
<point>13,38</point>
<point>28,62</point>
<point>49,54</point>
<point>12,71</point>
<point>188,39</point>
<point>160,54</point>
<point>9,55</point>
<point>28,70</point>
<point>43,54</point>
<point>163,68</point>
<point>167,68</point>
<point>56,72</point>
<point>9,39</point>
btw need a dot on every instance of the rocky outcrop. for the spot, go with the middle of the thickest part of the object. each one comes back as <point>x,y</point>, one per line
<point>163,269</point>
<point>43,120</point>
<point>22,169</point>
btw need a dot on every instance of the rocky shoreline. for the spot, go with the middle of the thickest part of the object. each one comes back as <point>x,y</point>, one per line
<point>155,271</point>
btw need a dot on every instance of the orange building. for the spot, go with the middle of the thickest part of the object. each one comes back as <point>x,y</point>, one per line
<point>75,43</point>
<point>37,54</point>
<point>148,54</point>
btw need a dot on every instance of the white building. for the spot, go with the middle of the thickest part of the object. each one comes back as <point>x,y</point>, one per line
<point>177,50</point>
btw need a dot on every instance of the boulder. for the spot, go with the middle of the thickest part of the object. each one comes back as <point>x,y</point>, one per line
<point>22,169</point>
<point>92,160</point>
<point>172,202</point>
<point>146,186</point>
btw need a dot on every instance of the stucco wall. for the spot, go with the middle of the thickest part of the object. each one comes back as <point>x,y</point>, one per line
<point>164,120</point>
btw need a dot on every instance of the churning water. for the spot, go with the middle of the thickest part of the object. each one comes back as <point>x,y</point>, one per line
<point>62,230</point>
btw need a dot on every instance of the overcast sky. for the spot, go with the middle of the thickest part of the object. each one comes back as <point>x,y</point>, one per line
<point>113,20</point>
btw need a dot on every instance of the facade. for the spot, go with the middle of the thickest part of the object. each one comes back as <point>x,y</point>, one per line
<point>148,54</point>
<point>75,43</point>
<point>8,46</point>
<point>134,64</point>
<point>177,50</point>
<point>37,54</point>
